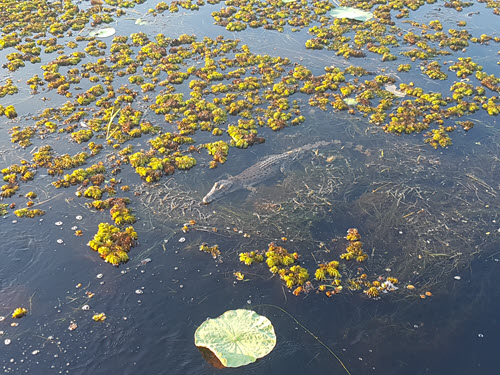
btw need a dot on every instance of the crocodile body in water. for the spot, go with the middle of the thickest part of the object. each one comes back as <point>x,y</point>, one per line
<point>259,172</point>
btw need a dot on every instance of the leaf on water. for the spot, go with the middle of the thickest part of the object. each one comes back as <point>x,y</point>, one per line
<point>237,337</point>
<point>103,33</point>
<point>392,89</point>
<point>350,101</point>
<point>141,22</point>
<point>288,1</point>
<point>351,13</point>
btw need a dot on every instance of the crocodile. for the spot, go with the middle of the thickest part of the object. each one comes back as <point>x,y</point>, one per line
<point>259,172</point>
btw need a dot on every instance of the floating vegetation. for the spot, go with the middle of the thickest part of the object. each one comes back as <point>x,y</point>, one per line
<point>19,312</point>
<point>355,248</point>
<point>101,317</point>
<point>9,112</point>
<point>219,150</point>
<point>26,212</point>
<point>249,258</point>
<point>112,244</point>
<point>103,33</point>
<point>239,276</point>
<point>351,13</point>
<point>120,213</point>
<point>327,269</point>
<point>296,277</point>
<point>278,258</point>
<point>372,292</point>
<point>237,337</point>
<point>214,96</point>
<point>92,174</point>
<point>213,250</point>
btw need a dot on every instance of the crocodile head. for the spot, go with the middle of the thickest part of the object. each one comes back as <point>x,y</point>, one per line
<point>219,189</point>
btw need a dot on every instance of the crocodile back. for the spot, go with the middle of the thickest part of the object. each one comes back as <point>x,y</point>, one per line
<point>271,165</point>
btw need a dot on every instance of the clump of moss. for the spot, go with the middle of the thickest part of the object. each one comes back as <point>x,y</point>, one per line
<point>330,269</point>
<point>404,67</point>
<point>8,89</point>
<point>112,244</point>
<point>185,162</point>
<point>433,70</point>
<point>439,137</point>
<point>213,250</point>
<point>31,213</point>
<point>94,192</point>
<point>219,150</point>
<point>251,257</point>
<point>8,190</point>
<point>121,214</point>
<point>277,256</point>
<point>22,136</point>
<point>19,312</point>
<point>82,176</point>
<point>3,209</point>
<point>82,135</point>
<point>355,248</point>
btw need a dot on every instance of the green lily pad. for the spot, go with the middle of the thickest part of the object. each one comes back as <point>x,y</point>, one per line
<point>288,1</point>
<point>350,101</point>
<point>141,22</point>
<point>103,33</point>
<point>237,337</point>
<point>392,89</point>
<point>351,13</point>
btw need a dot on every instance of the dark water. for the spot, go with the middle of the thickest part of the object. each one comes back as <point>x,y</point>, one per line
<point>154,307</point>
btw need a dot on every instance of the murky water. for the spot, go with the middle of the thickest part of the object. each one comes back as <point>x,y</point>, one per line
<point>429,217</point>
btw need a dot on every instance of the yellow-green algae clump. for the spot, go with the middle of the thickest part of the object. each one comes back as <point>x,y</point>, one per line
<point>112,244</point>
<point>285,264</point>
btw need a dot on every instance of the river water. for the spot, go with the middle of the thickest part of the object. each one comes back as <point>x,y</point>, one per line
<point>428,217</point>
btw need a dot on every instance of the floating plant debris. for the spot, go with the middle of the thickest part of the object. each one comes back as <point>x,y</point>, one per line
<point>19,312</point>
<point>239,276</point>
<point>327,276</point>
<point>99,317</point>
<point>213,250</point>
<point>31,213</point>
<point>355,248</point>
